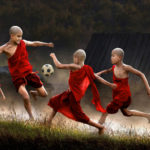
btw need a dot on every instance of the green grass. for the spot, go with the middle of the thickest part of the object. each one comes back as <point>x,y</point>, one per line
<point>21,135</point>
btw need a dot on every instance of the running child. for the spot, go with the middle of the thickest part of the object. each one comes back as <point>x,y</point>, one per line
<point>122,95</point>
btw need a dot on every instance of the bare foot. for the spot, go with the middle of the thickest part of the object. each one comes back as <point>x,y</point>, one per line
<point>48,123</point>
<point>101,131</point>
<point>33,94</point>
<point>30,121</point>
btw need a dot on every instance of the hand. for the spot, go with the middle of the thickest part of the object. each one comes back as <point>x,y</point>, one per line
<point>52,55</point>
<point>4,98</point>
<point>113,86</point>
<point>50,44</point>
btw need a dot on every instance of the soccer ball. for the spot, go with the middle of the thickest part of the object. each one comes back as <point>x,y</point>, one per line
<point>47,70</point>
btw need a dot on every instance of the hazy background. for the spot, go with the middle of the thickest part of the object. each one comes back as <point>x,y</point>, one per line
<point>70,25</point>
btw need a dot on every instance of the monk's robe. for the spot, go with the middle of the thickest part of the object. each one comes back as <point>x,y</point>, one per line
<point>121,95</point>
<point>68,103</point>
<point>18,64</point>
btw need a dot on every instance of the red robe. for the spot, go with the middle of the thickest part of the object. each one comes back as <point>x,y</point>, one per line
<point>18,64</point>
<point>122,92</point>
<point>68,103</point>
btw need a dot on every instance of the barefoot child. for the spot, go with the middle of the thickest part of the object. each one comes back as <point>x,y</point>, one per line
<point>20,67</point>
<point>122,95</point>
<point>81,76</point>
<point>1,93</point>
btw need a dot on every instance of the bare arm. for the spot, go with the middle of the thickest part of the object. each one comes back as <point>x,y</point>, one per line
<point>1,49</point>
<point>100,79</point>
<point>3,96</point>
<point>140,74</point>
<point>38,43</point>
<point>63,66</point>
<point>104,71</point>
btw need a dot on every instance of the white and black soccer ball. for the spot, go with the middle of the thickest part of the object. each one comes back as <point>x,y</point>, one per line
<point>47,70</point>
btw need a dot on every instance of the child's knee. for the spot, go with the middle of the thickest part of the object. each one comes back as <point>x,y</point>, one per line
<point>111,110</point>
<point>43,94</point>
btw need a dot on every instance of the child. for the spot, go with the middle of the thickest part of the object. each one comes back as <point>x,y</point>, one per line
<point>20,67</point>
<point>1,92</point>
<point>122,95</point>
<point>68,103</point>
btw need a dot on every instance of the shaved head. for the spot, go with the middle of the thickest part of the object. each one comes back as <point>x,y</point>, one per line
<point>118,51</point>
<point>14,30</point>
<point>80,53</point>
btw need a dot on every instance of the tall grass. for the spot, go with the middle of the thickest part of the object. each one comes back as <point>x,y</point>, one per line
<point>25,135</point>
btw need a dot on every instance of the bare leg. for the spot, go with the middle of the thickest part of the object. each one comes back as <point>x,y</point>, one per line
<point>97,125</point>
<point>103,118</point>
<point>39,92</point>
<point>53,113</point>
<point>137,113</point>
<point>23,92</point>
<point>34,94</point>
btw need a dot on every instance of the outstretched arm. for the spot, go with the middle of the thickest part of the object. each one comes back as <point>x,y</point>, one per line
<point>100,79</point>
<point>38,43</point>
<point>3,96</point>
<point>140,74</point>
<point>63,66</point>
<point>104,71</point>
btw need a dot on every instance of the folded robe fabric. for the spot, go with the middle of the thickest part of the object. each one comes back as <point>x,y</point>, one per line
<point>18,64</point>
<point>122,92</point>
<point>68,102</point>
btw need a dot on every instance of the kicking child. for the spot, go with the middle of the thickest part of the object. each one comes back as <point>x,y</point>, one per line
<point>20,67</point>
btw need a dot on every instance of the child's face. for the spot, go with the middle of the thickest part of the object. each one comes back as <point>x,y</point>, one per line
<point>16,38</point>
<point>115,58</point>
<point>75,59</point>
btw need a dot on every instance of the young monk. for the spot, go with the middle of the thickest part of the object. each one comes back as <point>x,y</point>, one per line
<point>122,95</point>
<point>81,76</point>
<point>2,93</point>
<point>20,67</point>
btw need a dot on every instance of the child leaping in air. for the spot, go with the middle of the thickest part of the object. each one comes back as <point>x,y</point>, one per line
<point>81,76</point>
<point>2,93</point>
<point>121,95</point>
<point>20,67</point>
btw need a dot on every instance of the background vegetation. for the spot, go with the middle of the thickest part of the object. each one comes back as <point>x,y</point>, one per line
<point>72,22</point>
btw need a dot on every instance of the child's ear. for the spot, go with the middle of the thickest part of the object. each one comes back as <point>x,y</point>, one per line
<point>11,35</point>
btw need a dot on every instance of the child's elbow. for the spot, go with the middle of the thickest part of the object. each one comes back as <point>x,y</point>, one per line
<point>141,75</point>
<point>96,76</point>
<point>59,66</point>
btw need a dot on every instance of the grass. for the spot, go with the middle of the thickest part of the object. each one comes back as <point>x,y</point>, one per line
<point>36,136</point>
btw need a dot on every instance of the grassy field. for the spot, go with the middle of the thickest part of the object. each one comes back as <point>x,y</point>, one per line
<point>22,135</point>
